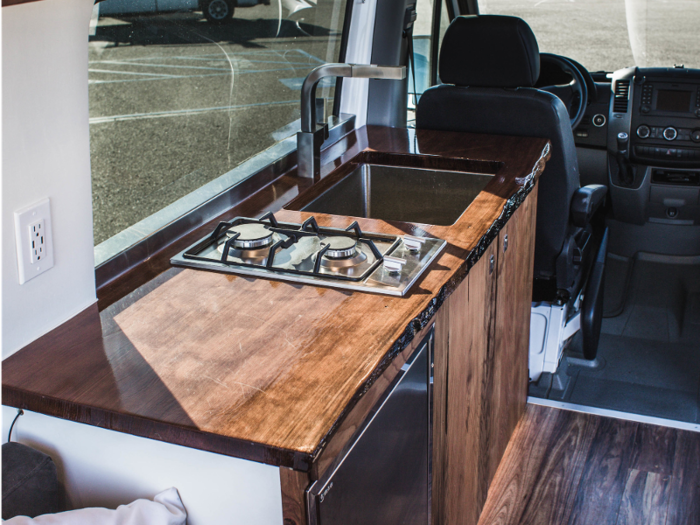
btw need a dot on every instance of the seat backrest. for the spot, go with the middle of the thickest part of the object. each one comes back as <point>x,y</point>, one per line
<point>489,64</point>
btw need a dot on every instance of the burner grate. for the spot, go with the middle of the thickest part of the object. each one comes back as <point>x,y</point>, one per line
<point>292,233</point>
<point>307,253</point>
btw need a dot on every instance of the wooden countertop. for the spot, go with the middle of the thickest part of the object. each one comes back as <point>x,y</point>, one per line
<point>260,369</point>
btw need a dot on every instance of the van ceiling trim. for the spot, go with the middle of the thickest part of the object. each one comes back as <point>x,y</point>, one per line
<point>615,414</point>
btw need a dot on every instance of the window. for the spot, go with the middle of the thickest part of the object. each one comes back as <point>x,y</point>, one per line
<point>606,35</point>
<point>422,50</point>
<point>184,91</point>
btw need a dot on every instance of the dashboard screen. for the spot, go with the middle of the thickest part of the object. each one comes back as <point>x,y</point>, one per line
<point>672,100</point>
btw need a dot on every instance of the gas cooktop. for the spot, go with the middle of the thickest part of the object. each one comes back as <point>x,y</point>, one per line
<point>307,253</point>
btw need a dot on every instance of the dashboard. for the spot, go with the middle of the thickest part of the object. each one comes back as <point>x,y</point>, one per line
<point>653,170</point>
<point>665,111</point>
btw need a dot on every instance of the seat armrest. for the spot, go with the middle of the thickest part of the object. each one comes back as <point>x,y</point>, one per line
<point>586,202</point>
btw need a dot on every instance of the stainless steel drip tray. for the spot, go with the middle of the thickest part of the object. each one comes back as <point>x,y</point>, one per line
<point>297,262</point>
<point>392,193</point>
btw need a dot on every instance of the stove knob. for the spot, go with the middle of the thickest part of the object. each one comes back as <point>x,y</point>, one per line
<point>413,244</point>
<point>393,265</point>
<point>670,133</point>
<point>695,135</point>
<point>643,131</point>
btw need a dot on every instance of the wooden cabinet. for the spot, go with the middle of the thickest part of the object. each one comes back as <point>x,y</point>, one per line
<point>479,380</point>
<point>481,349</point>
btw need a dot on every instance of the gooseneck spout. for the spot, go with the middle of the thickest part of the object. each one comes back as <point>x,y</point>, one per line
<point>310,138</point>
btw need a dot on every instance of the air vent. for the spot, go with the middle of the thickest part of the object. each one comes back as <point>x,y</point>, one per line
<point>622,93</point>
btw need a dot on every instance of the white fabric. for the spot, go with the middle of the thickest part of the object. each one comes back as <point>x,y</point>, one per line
<point>165,509</point>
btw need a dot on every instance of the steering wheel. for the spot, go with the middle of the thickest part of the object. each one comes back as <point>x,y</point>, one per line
<point>573,94</point>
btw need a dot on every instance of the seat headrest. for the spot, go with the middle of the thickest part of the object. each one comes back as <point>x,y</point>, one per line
<point>489,51</point>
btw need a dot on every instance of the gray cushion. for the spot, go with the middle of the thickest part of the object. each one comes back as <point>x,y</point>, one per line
<point>29,483</point>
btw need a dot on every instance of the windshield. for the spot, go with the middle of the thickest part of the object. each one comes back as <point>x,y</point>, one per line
<point>606,35</point>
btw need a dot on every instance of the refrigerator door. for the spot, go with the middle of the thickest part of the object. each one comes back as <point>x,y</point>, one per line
<point>383,477</point>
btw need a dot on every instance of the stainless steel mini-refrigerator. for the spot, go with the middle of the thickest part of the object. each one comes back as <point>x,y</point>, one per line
<point>383,476</point>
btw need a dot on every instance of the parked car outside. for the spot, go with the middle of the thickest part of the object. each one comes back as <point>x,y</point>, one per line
<point>215,11</point>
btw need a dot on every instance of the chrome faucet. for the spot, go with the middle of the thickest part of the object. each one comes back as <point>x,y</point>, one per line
<point>310,139</point>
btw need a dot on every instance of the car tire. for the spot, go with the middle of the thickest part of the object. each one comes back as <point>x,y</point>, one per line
<point>217,11</point>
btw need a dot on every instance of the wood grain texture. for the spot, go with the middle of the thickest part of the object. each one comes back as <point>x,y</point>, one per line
<point>467,416</point>
<point>293,485</point>
<point>519,469</point>
<point>645,499</point>
<point>482,340</point>
<point>263,369</point>
<point>684,500</point>
<point>566,468</point>
<point>655,449</point>
<point>352,425</point>
<point>537,484</point>
<point>480,376</point>
<point>605,471</point>
<point>7,3</point>
<point>471,320</point>
<point>516,249</point>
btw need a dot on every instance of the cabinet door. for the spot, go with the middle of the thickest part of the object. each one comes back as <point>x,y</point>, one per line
<point>481,349</point>
<point>516,252</point>
<point>462,411</point>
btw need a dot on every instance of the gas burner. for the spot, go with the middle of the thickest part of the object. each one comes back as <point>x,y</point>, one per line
<point>251,236</point>
<point>340,247</point>
<point>308,253</point>
<point>342,253</point>
<point>252,256</point>
<point>343,264</point>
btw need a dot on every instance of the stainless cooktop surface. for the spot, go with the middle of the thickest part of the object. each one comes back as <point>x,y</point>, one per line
<point>306,253</point>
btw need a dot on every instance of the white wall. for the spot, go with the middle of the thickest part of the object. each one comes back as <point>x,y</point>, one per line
<point>46,153</point>
<point>103,468</point>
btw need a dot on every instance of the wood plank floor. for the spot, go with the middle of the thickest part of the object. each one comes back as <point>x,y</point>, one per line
<point>567,468</point>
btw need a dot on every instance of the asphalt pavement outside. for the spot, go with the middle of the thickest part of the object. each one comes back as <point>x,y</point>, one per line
<point>175,101</point>
<point>606,35</point>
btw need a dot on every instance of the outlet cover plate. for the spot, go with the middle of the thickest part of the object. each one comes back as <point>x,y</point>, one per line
<point>39,212</point>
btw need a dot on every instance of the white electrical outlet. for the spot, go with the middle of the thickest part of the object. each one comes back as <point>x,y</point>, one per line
<point>38,240</point>
<point>33,239</point>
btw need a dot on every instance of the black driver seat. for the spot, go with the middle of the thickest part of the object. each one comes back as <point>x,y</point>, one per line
<point>489,65</point>
<point>493,62</point>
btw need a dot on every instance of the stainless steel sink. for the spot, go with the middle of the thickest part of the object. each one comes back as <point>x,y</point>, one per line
<point>401,194</point>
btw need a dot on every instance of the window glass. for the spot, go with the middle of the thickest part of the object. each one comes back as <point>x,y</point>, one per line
<point>422,31</point>
<point>183,91</point>
<point>606,35</point>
